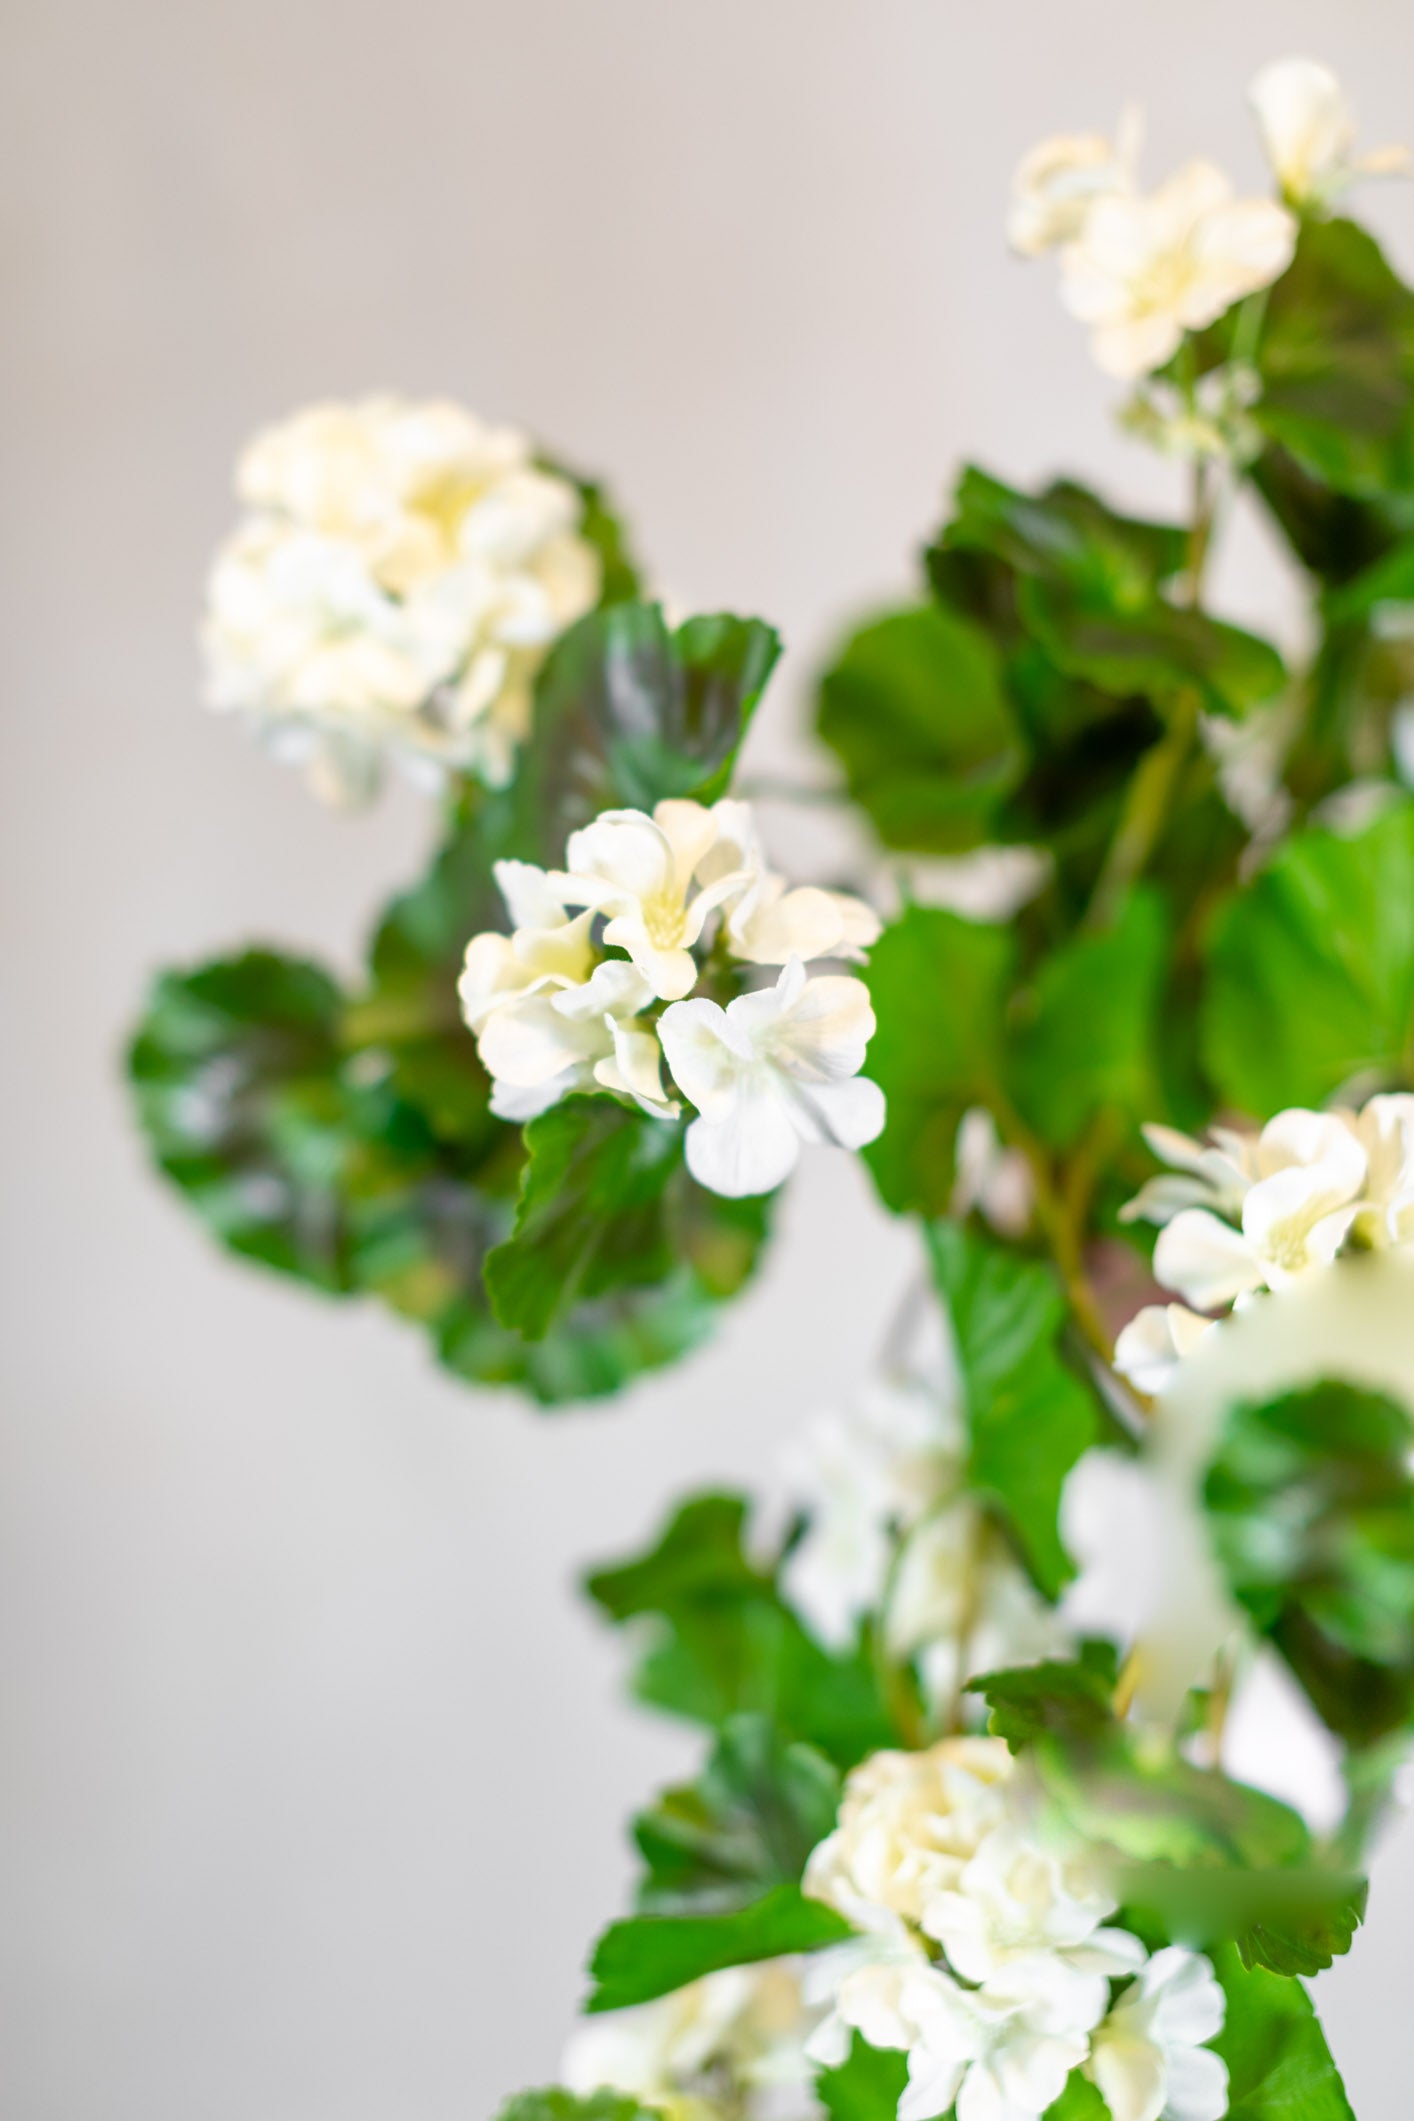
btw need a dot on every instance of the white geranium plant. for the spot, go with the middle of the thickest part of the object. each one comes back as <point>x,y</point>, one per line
<point>969,1837</point>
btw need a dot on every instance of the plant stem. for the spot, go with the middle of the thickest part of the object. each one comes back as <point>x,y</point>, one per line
<point>1146,810</point>
<point>1058,1221</point>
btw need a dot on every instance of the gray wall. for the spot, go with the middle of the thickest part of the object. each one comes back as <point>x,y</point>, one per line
<point>313,1773</point>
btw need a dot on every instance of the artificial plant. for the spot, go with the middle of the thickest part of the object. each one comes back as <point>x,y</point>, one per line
<point>963,1839</point>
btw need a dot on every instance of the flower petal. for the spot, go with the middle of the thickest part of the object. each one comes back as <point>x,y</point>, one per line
<point>703,1057</point>
<point>750,1151</point>
<point>1205,1260</point>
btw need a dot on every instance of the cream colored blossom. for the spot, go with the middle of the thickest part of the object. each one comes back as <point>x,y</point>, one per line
<point>908,1825</point>
<point>1247,1212</point>
<point>775,1068</point>
<point>1384,1128</point>
<point>1016,1898</point>
<point>942,1849</point>
<point>766,922</point>
<point>729,2045</point>
<point>641,872</point>
<point>1144,271</point>
<point>998,2052</point>
<point>891,1534</point>
<point>392,591</point>
<point>1308,131</point>
<point>541,1045</point>
<point>1149,2058</point>
<point>865,1477</point>
<point>1058,182</point>
<point>545,949</point>
<point>1155,1342</point>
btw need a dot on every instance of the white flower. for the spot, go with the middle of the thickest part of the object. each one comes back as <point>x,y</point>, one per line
<point>865,1477</point>
<point>1059,181</point>
<point>1384,1127</point>
<point>961,1604</point>
<point>1308,131</point>
<point>889,1533</point>
<point>546,949</point>
<point>1213,1175</point>
<point>1155,1342</point>
<point>771,1070</point>
<point>1253,1211</point>
<point>1149,2058</point>
<point>732,2043</point>
<point>1143,271</point>
<point>541,1045</point>
<point>908,1825</point>
<point>1015,1899</point>
<point>640,872</point>
<point>400,575</point>
<point>767,924</point>
<point>1295,1219</point>
<point>993,1179</point>
<point>1002,2052</point>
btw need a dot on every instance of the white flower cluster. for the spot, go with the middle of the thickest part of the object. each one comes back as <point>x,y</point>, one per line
<point>1245,1212</point>
<point>730,2047</point>
<point>398,579</point>
<point>779,1065</point>
<point>1142,269</point>
<point>984,1954</point>
<point>891,1532</point>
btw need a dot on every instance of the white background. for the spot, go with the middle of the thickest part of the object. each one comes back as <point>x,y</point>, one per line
<point>313,1771</point>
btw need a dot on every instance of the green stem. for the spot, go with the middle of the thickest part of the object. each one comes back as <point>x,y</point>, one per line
<point>1058,1224</point>
<point>1146,811</point>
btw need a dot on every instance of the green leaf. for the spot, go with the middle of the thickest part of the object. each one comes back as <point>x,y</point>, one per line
<point>1085,1042</point>
<point>1196,1857</point>
<point>1029,1417</point>
<point>612,1236</point>
<point>1070,1700</point>
<point>1279,2066</point>
<point>747,1824</point>
<point>914,709</point>
<point>409,1014</point>
<point>1336,358</point>
<point>723,1642</point>
<point>1333,534</point>
<point>650,1955</point>
<point>867,2086</point>
<point>1064,534</point>
<point>1311,970</point>
<point>628,712</point>
<point>590,1216</point>
<point>234,1066</point>
<point>938,985</point>
<point>1088,586</point>
<point>1311,1508</point>
<point>552,2103</point>
<point>1158,651</point>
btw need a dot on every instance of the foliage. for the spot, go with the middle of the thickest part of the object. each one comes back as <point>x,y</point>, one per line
<point>1312,969</point>
<point>1029,1417</point>
<point>1222,928</point>
<point>1311,1504</point>
<point>1194,1856</point>
<point>555,2104</point>
<point>723,1643</point>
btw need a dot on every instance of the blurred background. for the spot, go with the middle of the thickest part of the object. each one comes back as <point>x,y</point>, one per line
<point>314,1773</point>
